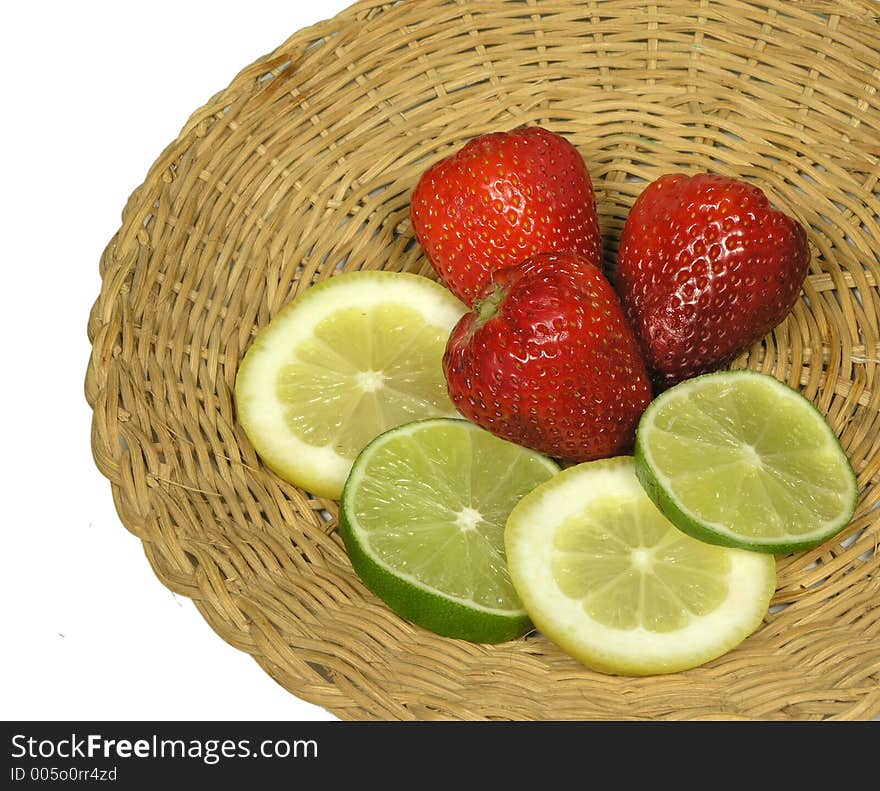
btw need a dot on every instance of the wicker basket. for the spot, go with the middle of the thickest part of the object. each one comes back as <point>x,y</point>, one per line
<point>304,166</point>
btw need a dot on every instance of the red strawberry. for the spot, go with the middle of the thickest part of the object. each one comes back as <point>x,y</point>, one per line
<point>546,359</point>
<point>706,268</point>
<point>501,198</point>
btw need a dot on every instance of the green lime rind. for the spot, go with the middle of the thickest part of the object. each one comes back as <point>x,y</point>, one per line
<point>743,534</point>
<point>417,602</point>
<point>430,610</point>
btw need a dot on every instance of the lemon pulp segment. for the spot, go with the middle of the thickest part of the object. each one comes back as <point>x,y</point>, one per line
<point>344,362</point>
<point>609,579</point>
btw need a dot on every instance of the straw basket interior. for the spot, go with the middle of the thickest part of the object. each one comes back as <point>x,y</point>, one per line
<point>303,167</point>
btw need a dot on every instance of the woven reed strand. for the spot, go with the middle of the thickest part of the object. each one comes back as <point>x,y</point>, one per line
<point>303,167</point>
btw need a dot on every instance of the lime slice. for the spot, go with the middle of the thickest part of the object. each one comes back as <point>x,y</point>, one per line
<point>740,459</point>
<point>612,582</point>
<point>423,517</point>
<point>347,360</point>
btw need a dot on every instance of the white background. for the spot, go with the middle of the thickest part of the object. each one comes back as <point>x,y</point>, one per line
<point>92,92</point>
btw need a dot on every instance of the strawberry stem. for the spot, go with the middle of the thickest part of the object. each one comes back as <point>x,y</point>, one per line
<point>487,307</point>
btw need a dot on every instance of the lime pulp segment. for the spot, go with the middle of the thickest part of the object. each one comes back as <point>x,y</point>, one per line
<point>344,362</point>
<point>604,575</point>
<point>739,458</point>
<point>423,515</point>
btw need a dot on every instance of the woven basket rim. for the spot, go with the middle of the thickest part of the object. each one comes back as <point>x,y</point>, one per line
<point>131,435</point>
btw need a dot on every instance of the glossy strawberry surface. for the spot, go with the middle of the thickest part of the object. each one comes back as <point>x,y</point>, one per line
<point>499,199</point>
<point>706,268</point>
<point>547,360</point>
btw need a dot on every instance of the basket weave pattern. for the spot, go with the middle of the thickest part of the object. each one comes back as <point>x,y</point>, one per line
<point>303,168</point>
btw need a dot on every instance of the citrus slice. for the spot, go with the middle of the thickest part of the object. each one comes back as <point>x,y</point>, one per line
<point>740,459</point>
<point>344,362</point>
<point>604,575</point>
<point>422,518</point>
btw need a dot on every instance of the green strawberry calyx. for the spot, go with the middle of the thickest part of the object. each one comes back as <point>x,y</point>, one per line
<point>486,307</point>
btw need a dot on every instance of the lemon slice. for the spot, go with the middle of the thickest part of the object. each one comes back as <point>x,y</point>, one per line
<point>739,458</point>
<point>423,517</point>
<point>604,575</point>
<point>347,360</point>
